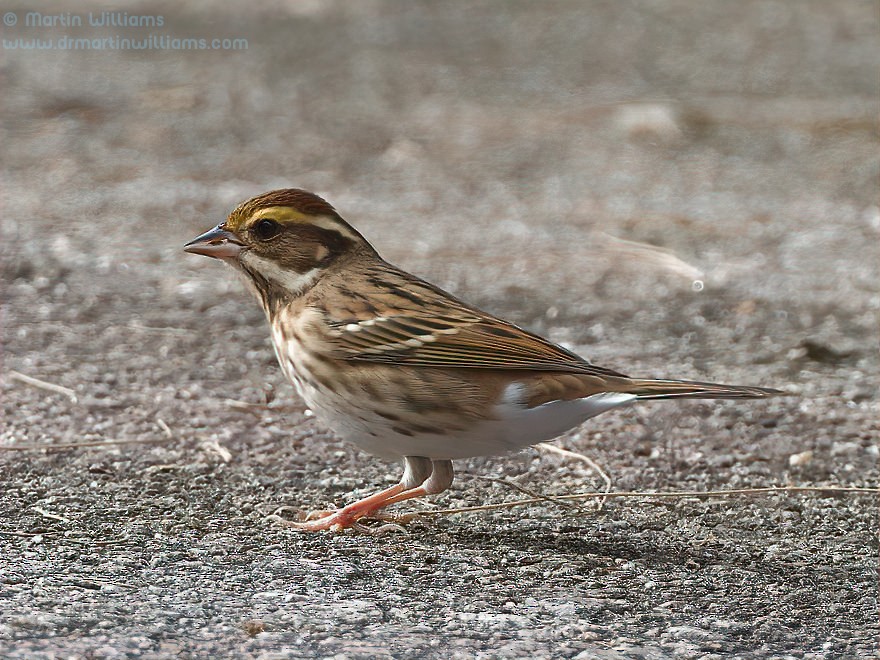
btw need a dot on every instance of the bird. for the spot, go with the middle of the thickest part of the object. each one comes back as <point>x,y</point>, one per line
<point>398,366</point>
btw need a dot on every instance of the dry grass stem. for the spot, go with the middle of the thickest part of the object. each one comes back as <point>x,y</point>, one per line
<point>650,255</point>
<point>152,328</point>
<point>595,467</point>
<point>78,445</point>
<point>527,491</point>
<point>47,514</point>
<point>165,428</point>
<point>43,385</point>
<point>212,446</point>
<point>855,490</point>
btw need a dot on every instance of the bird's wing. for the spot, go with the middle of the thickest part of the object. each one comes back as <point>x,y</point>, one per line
<point>411,322</point>
<point>405,321</point>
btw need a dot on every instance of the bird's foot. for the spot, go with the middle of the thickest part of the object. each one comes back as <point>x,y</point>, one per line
<point>348,516</point>
<point>340,519</point>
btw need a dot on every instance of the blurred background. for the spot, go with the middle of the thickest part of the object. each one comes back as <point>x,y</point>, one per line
<point>507,151</point>
<point>671,188</point>
<point>653,184</point>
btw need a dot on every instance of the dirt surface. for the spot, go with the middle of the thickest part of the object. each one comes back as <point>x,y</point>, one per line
<point>672,189</point>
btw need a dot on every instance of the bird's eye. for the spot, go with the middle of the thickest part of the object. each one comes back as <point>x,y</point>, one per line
<point>266,229</point>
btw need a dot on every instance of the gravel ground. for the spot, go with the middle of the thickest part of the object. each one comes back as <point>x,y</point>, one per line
<point>671,188</point>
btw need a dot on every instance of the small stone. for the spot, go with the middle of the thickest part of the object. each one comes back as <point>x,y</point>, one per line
<point>802,458</point>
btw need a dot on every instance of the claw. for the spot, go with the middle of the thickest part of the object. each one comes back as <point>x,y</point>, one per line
<point>380,529</point>
<point>316,515</point>
<point>421,477</point>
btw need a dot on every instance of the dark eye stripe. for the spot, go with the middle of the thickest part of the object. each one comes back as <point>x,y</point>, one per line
<point>334,241</point>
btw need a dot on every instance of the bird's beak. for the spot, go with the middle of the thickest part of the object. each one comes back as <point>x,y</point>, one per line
<point>218,243</point>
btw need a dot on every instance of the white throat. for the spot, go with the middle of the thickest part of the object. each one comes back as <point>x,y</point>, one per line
<point>289,280</point>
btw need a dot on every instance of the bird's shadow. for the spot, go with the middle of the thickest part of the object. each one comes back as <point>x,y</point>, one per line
<point>582,542</point>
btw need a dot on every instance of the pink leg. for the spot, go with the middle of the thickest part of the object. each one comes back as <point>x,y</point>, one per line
<point>440,479</point>
<point>349,514</point>
<point>416,472</point>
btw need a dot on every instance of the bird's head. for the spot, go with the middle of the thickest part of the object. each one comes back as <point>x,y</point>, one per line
<point>283,240</point>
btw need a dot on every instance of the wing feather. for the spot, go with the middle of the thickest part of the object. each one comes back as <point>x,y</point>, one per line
<point>412,322</point>
<point>485,343</point>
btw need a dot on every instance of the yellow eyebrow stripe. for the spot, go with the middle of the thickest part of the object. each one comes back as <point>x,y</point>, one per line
<point>286,214</point>
<point>281,214</point>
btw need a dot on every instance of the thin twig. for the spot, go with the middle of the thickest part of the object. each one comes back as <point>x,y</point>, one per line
<point>857,490</point>
<point>64,537</point>
<point>214,446</point>
<point>649,254</point>
<point>43,385</point>
<point>595,467</point>
<point>165,428</point>
<point>47,514</point>
<point>256,408</point>
<point>94,583</point>
<point>91,543</point>
<point>77,445</point>
<point>247,406</point>
<point>134,325</point>
<point>528,491</point>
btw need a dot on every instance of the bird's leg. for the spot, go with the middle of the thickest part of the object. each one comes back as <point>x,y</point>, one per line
<point>417,470</point>
<point>440,479</point>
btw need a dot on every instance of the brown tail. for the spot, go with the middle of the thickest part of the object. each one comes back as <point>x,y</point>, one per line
<point>551,386</point>
<point>646,390</point>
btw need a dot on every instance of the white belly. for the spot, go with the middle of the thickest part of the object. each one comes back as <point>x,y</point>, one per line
<point>510,426</point>
<point>514,427</point>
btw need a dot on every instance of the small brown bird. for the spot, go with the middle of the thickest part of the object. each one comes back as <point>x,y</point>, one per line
<point>398,366</point>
